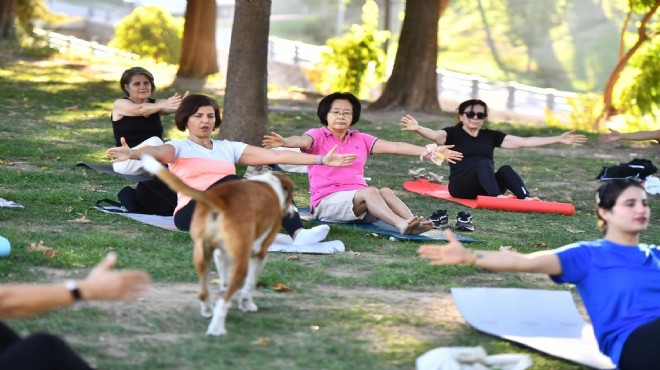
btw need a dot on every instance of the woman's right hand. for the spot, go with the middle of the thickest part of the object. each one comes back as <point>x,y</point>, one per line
<point>408,123</point>
<point>274,140</point>
<point>104,283</point>
<point>453,253</point>
<point>120,153</point>
<point>613,135</point>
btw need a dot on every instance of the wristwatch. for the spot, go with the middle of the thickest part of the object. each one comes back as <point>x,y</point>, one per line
<point>72,285</point>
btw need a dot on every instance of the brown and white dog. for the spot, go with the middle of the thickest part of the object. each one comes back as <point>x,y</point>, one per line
<point>235,222</point>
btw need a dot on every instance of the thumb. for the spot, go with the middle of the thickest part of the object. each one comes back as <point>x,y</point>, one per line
<point>186,94</point>
<point>107,263</point>
<point>450,236</point>
<point>332,151</point>
<point>123,141</point>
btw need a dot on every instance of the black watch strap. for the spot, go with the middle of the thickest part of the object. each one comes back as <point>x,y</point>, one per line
<point>72,285</point>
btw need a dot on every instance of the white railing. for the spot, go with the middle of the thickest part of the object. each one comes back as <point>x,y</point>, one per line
<point>72,45</point>
<point>454,87</point>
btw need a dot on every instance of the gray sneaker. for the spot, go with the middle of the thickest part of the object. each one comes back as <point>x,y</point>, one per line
<point>464,221</point>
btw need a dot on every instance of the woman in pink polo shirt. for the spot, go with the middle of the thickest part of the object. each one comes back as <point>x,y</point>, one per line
<point>202,162</point>
<point>341,194</point>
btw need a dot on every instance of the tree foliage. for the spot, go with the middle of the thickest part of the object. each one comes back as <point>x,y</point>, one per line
<point>640,54</point>
<point>355,61</point>
<point>28,11</point>
<point>150,31</point>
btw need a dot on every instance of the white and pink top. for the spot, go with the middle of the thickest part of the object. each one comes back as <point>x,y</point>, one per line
<point>200,167</point>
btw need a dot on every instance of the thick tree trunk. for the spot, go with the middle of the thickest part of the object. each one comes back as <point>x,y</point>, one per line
<point>198,50</point>
<point>608,105</point>
<point>246,97</point>
<point>8,20</point>
<point>413,83</point>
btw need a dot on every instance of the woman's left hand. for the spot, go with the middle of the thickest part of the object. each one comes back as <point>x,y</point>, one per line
<point>120,153</point>
<point>569,138</point>
<point>338,160</point>
<point>437,154</point>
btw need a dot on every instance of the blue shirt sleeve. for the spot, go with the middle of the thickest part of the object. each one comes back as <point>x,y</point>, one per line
<point>575,260</point>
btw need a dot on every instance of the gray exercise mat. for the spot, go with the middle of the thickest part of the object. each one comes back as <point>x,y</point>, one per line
<point>107,169</point>
<point>546,320</point>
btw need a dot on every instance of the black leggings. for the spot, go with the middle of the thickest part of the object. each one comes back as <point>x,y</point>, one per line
<point>482,179</point>
<point>183,217</point>
<point>640,352</point>
<point>38,351</point>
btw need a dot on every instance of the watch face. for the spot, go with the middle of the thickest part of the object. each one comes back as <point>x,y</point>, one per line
<point>72,285</point>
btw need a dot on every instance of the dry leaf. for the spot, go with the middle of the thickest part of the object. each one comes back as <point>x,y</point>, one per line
<point>73,107</point>
<point>261,342</point>
<point>507,248</point>
<point>215,281</point>
<point>295,257</point>
<point>372,235</point>
<point>6,163</point>
<point>81,220</point>
<point>68,209</point>
<point>540,245</point>
<point>280,287</point>
<point>48,252</point>
<point>570,229</point>
<point>353,253</point>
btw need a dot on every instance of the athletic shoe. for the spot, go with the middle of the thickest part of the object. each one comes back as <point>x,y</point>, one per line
<point>464,221</point>
<point>440,219</point>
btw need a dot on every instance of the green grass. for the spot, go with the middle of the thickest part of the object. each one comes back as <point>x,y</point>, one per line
<point>362,309</point>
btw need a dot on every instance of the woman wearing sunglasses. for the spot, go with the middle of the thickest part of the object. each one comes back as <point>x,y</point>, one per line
<point>475,174</point>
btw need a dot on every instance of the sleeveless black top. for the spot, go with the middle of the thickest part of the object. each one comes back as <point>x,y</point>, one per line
<point>137,129</point>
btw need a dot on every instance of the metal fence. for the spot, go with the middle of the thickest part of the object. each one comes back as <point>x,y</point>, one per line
<point>454,87</point>
<point>71,45</point>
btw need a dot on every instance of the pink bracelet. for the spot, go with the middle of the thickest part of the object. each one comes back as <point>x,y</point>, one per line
<point>319,159</point>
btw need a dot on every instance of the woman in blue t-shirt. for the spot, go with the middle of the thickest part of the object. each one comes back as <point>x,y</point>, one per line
<point>617,277</point>
<point>475,174</point>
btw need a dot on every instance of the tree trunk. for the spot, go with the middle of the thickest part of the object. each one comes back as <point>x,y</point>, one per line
<point>246,97</point>
<point>8,20</point>
<point>198,50</point>
<point>489,39</point>
<point>608,106</point>
<point>413,84</point>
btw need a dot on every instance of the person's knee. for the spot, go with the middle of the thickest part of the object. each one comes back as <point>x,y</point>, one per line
<point>370,192</point>
<point>486,164</point>
<point>386,192</point>
<point>505,168</point>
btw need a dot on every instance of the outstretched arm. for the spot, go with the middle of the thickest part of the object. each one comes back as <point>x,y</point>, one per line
<point>397,147</point>
<point>103,283</point>
<point>275,140</point>
<point>615,135</point>
<point>125,107</point>
<point>163,153</point>
<point>455,253</point>
<point>408,123</point>
<point>568,138</point>
<point>255,156</point>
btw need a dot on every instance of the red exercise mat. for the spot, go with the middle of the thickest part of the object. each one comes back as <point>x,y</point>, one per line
<point>424,187</point>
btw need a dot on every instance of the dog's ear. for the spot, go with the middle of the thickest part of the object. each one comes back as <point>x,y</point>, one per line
<point>287,189</point>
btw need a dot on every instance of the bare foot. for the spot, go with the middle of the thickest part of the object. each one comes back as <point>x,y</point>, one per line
<point>410,224</point>
<point>506,196</point>
<point>416,226</point>
<point>533,199</point>
<point>423,226</point>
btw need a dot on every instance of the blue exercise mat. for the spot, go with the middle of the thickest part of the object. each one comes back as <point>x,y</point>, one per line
<point>382,228</point>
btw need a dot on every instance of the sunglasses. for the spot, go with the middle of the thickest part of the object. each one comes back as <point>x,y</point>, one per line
<point>479,115</point>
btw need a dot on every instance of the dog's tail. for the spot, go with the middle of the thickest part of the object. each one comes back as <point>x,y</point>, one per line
<point>156,168</point>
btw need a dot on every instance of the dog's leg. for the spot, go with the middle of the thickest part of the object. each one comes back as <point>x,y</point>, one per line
<point>200,259</point>
<point>217,325</point>
<point>222,267</point>
<point>239,270</point>
<point>246,303</point>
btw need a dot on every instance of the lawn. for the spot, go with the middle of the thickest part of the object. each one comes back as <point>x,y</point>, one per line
<point>376,306</point>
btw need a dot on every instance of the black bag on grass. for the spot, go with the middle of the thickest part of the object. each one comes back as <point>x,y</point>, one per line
<point>636,169</point>
<point>150,197</point>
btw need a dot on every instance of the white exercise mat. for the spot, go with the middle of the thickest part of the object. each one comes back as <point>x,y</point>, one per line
<point>283,243</point>
<point>545,320</point>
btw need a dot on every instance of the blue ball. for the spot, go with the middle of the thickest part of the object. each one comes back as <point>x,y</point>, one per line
<point>5,247</point>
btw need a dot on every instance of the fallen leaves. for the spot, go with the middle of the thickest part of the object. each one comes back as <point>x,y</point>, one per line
<point>81,220</point>
<point>540,245</point>
<point>48,252</point>
<point>279,287</point>
<point>570,229</point>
